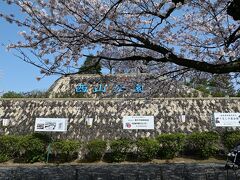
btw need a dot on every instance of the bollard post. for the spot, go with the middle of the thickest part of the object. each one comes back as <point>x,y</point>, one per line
<point>48,151</point>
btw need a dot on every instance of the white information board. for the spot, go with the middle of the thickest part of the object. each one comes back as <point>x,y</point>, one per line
<point>226,119</point>
<point>5,122</point>
<point>51,124</point>
<point>138,122</point>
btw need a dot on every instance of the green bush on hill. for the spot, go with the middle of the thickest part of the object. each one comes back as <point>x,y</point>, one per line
<point>31,94</point>
<point>12,94</point>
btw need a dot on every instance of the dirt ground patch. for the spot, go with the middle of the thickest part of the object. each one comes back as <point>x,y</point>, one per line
<point>155,161</point>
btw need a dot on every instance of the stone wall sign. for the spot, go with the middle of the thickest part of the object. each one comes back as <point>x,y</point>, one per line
<point>51,124</point>
<point>138,122</point>
<point>226,119</point>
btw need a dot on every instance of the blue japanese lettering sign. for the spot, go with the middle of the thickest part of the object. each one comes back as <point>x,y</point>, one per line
<point>81,88</point>
<point>100,89</point>
<point>138,88</point>
<point>119,88</point>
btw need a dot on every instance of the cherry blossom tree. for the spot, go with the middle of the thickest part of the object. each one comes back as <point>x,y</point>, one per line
<point>234,9</point>
<point>184,36</point>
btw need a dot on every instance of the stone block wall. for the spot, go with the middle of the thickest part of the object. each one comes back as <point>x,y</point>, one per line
<point>108,114</point>
<point>144,171</point>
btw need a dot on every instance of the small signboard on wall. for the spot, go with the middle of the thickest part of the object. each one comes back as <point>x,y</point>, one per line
<point>138,122</point>
<point>51,124</point>
<point>226,119</point>
<point>4,122</point>
<point>89,121</point>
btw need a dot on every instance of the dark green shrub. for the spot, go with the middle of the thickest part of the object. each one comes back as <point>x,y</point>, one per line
<point>31,149</point>
<point>203,144</point>
<point>24,148</point>
<point>66,150</point>
<point>9,146</point>
<point>12,94</point>
<point>95,150</point>
<point>203,89</point>
<point>230,139</point>
<point>45,138</point>
<point>218,94</point>
<point>36,94</point>
<point>4,157</point>
<point>146,149</point>
<point>119,149</point>
<point>170,145</point>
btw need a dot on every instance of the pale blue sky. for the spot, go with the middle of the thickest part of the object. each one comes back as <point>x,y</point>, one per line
<point>16,75</point>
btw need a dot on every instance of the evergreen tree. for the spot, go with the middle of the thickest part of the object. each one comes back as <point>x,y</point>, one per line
<point>221,86</point>
<point>90,66</point>
<point>216,85</point>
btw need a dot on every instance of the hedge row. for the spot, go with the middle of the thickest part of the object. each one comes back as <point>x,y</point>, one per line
<point>35,147</point>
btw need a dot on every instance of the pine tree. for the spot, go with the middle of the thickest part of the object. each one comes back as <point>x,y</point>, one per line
<point>90,66</point>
